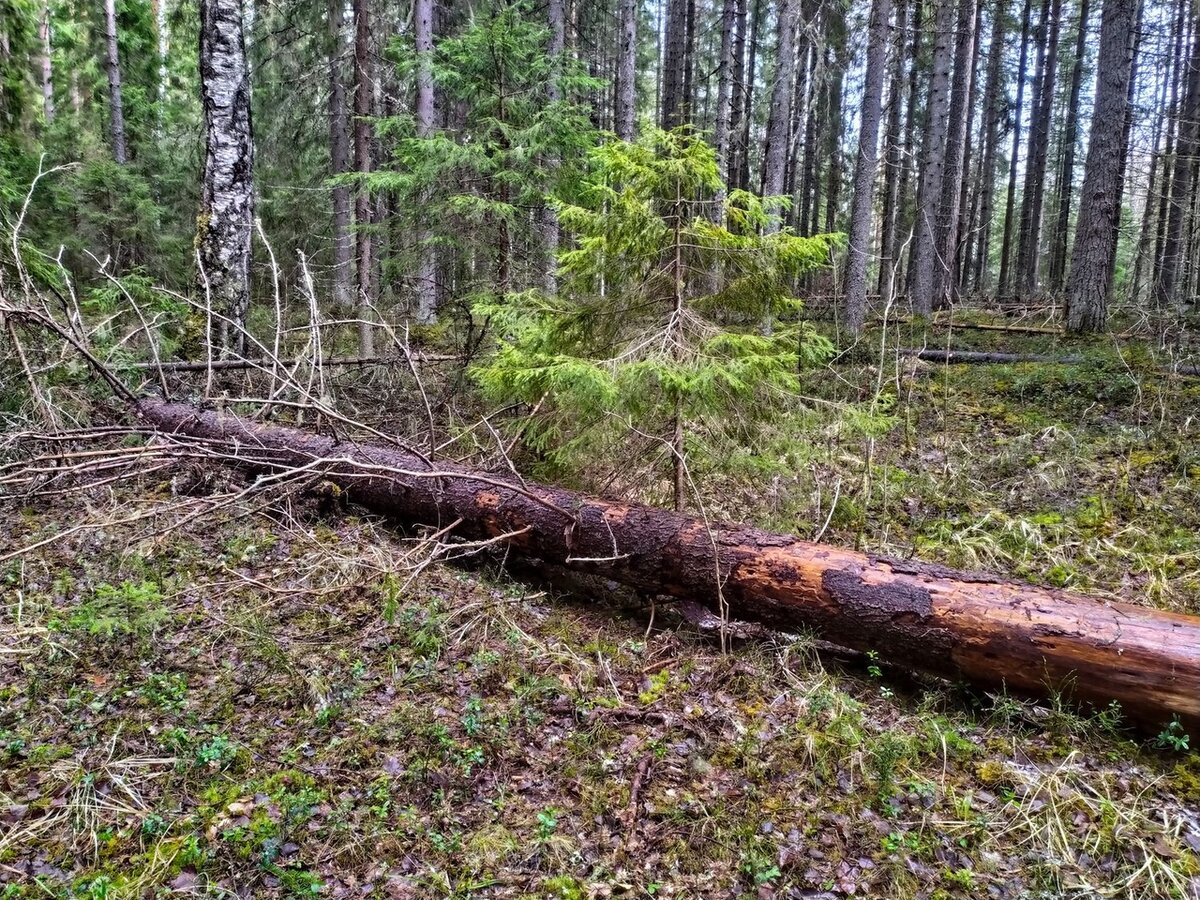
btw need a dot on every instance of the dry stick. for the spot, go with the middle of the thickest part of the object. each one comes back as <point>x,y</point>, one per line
<point>278,302</point>
<point>102,268</point>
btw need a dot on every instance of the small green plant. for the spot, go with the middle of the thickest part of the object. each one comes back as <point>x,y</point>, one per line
<point>547,823</point>
<point>218,753</point>
<point>327,715</point>
<point>1173,737</point>
<point>153,825</point>
<point>961,878</point>
<point>473,718</point>
<point>166,691</point>
<point>128,609</point>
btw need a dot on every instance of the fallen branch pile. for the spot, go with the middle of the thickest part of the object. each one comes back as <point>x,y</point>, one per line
<point>996,633</point>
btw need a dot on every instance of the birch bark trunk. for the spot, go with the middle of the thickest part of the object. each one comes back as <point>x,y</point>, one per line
<point>227,190</point>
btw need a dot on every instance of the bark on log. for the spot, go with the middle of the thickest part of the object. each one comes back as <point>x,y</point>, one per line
<point>225,365</point>
<point>929,354</point>
<point>997,633</point>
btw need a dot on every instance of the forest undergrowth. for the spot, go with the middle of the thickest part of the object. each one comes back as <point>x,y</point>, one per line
<point>213,689</point>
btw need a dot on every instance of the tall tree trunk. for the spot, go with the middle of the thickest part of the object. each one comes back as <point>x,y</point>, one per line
<point>1166,288</point>
<point>725,74</point>
<point>1178,82</point>
<point>362,164</point>
<point>808,183</point>
<point>558,36</point>
<point>968,202</point>
<point>1004,282</point>
<point>1154,190</point>
<point>688,111</point>
<point>944,270</point>
<point>740,88</point>
<point>892,164</point>
<point>1029,255</point>
<point>227,186</point>
<point>1135,42</point>
<point>46,65</point>
<point>339,161</point>
<point>779,119</point>
<point>904,209</point>
<point>994,105</point>
<point>1066,179</point>
<point>864,166</point>
<point>674,62</point>
<point>926,249</point>
<point>743,179</point>
<point>1089,281</point>
<point>427,293</point>
<point>112,64</point>
<point>627,71</point>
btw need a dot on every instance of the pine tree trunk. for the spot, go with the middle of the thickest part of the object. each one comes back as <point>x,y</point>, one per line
<point>892,165</point>
<point>339,162</point>
<point>934,164</point>
<point>743,179</point>
<point>740,88</point>
<point>1166,287</point>
<point>1135,41</point>
<point>427,294</point>
<point>721,129</point>
<point>1004,281</point>
<point>112,65</point>
<point>627,71</point>
<point>557,20</point>
<point>904,208</point>
<point>968,203</point>
<point>227,187</point>
<point>688,110</point>
<point>1089,281</point>
<point>362,164</point>
<point>808,183</point>
<point>994,104</point>
<point>1029,255</point>
<point>865,164</point>
<point>1066,180</point>
<point>1143,260</point>
<point>949,206</point>
<point>1000,634</point>
<point>673,64</point>
<point>779,119</point>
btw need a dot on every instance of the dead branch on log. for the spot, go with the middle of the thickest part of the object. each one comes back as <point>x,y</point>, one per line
<point>999,634</point>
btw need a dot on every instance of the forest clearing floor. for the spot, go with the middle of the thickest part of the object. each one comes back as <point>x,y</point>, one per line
<point>259,701</point>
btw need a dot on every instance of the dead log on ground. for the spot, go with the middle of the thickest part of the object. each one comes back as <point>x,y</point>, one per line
<point>997,633</point>
<point>932,354</point>
<point>225,365</point>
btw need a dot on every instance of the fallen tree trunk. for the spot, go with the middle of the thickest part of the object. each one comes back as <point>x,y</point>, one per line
<point>931,354</point>
<point>266,365</point>
<point>996,633</point>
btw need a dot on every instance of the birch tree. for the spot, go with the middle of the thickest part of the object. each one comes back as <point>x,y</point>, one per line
<point>227,184</point>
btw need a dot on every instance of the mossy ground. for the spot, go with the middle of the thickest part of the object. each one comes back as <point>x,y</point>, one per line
<point>256,702</point>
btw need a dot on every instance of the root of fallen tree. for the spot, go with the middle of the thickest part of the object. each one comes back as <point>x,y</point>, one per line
<point>997,633</point>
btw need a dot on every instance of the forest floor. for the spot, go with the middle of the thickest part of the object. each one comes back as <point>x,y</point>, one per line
<point>260,701</point>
